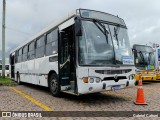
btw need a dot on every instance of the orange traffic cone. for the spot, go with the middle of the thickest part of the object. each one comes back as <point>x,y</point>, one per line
<point>140,81</point>
<point>140,100</point>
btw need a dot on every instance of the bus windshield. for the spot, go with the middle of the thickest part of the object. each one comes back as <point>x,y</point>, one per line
<point>97,48</point>
<point>144,57</point>
<point>121,44</point>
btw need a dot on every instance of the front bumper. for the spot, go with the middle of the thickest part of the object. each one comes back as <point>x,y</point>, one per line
<point>158,76</point>
<point>85,88</point>
<point>145,77</point>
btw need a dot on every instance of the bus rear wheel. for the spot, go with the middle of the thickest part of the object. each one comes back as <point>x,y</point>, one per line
<point>54,85</point>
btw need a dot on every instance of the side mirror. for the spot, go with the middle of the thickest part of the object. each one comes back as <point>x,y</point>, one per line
<point>78,30</point>
<point>134,53</point>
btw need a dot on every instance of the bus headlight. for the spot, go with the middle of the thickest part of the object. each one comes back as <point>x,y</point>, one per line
<point>98,80</point>
<point>91,80</point>
<point>94,79</point>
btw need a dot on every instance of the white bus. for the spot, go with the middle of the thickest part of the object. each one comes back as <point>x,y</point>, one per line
<point>86,52</point>
<point>7,67</point>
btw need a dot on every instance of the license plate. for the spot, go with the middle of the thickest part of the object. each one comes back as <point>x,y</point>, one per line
<point>148,77</point>
<point>116,87</point>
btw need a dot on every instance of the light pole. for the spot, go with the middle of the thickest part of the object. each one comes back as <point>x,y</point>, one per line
<point>155,46</point>
<point>3,38</point>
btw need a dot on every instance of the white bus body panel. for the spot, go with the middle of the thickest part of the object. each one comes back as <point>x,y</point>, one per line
<point>24,70</point>
<point>36,71</point>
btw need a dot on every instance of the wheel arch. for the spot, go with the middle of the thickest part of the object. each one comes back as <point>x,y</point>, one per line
<point>50,73</point>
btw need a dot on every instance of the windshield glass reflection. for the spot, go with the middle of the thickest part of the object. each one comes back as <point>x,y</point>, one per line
<point>144,56</point>
<point>94,49</point>
<point>97,45</point>
<point>121,43</point>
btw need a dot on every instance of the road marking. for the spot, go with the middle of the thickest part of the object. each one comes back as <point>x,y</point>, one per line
<point>117,94</point>
<point>32,99</point>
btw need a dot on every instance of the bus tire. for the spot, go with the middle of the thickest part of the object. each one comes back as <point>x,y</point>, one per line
<point>54,85</point>
<point>136,83</point>
<point>18,79</point>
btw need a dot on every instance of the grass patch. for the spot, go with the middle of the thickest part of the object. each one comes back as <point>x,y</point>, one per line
<point>7,82</point>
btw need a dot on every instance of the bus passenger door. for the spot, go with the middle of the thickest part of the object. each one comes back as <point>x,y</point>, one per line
<point>12,63</point>
<point>66,59</point>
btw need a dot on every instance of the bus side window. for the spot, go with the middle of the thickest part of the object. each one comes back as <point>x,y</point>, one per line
<point>7,67</point>
<point>20,55</point>
<point>40,45</point>
<point>31,51</point>
<point>16,57</point>
<point>25,49</point>
<point>52,43</point>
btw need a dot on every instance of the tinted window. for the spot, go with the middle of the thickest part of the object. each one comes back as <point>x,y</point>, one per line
<point>16,57</point>
<point>52,36</point>
<point>52,42</point>
<point>31,46</point>
<point>31,53</point>
<point>40,42</point>
<point>20,52</point>
<point>52,48</point>
<point>40,47</point>
<point>20,55</point>
<point>25,50</point>
<point>7,67</point>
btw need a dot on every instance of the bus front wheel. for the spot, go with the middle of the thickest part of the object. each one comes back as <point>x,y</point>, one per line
<point>54,85</point>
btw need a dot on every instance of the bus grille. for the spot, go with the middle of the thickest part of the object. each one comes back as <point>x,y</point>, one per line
<point>116,79</point>
<point>111,72</point>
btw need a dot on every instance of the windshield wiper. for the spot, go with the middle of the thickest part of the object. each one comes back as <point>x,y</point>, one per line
<point>100,26</point>
<point>116,35</point>
<point>142,57</point>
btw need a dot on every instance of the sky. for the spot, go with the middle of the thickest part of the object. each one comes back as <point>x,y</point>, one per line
<point>25,18</point>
